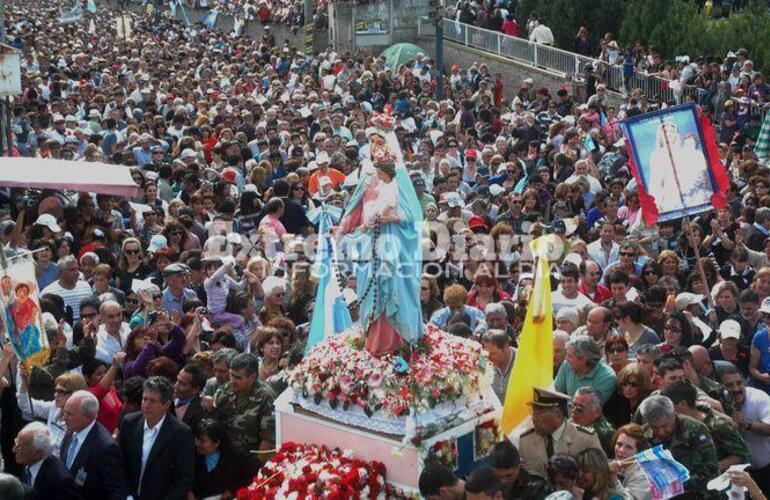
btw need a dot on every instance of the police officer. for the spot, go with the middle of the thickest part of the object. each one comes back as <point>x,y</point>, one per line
<point>689,441</point>
<point>552,433</point>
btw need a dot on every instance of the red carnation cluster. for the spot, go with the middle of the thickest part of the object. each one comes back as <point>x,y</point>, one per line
<point>305,471</point>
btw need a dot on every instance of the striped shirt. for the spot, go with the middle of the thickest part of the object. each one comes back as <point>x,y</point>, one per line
<point>71,297</point>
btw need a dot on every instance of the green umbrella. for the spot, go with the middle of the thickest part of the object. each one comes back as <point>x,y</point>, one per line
<point>400,53</point>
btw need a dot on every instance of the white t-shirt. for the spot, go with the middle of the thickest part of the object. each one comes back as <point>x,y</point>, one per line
<point>756,408</point>
<point>581,302</point>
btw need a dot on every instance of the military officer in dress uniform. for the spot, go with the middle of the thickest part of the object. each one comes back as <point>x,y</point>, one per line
<point>552,433</point>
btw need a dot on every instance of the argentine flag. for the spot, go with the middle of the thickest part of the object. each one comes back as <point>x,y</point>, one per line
<point>330,313</point>
<point>91,6</point>
<point>172,8</point>
<point>211,19</point>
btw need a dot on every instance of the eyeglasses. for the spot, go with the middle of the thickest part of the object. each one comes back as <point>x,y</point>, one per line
<point>87,316</point>
<point>176,233</point>
<point>616,349</point>
<point>132,252</point>
<point>577,409</point>
<point>62,392</point>
<point>516,202</point>
<point>129,300</point>
<point>627,254</point>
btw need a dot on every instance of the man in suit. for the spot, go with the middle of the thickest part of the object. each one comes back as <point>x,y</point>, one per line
<point>89,452</point>
<point>43,471</point>
<point>190,381</point>
<point>758,232</point>
<point>157,449</point>
<point>552,433</point>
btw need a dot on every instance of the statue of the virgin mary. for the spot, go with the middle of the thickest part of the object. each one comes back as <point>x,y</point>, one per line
<point>384,214</point>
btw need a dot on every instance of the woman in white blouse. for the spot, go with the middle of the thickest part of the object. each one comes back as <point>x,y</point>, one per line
<point>51,411</point>
<point>628,441</point>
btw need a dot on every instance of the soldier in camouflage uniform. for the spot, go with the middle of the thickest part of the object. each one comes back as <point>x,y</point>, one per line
<point>707,386</point>
<point>517,482</point>
<point>689,441</point>
<point>730,446</point>
<point>245,406</point>
<point>587,411</point>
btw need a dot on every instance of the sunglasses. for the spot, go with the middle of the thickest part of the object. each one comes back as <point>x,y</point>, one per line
<point>516,202</point>
<point>176,233</point>
<point>627,254</point>
<point>62,392</point>
<point>299,188</point>
<point>129,300</point>
<point>87,316</point>
<point>617,349</point>
<point>132,252</point>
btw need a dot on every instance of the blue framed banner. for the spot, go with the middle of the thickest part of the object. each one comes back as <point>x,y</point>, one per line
<point>672,159</point>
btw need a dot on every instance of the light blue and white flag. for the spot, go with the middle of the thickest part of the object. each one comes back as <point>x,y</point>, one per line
<point>71,15</point>
<point>185,15</point>
<point>330,313</point>
<point>211,19</point>
<point>238,24</point>
<point>665,474</point>
<point>91,6</point>
<point>172,8</point>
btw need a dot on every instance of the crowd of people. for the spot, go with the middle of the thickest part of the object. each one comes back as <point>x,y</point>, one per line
<point>173,316</point>
<point>729,85</point>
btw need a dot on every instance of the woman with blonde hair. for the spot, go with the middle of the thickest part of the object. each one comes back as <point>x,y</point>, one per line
<point>634,383</point>
<point>131,265</point>
<point>50,411</point>
<point>595,477</point>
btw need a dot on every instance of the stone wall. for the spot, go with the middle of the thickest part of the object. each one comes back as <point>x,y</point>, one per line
<point>513,72</point>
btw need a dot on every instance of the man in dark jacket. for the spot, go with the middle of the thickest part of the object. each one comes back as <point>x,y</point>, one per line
<point>157,449</point>
<point>89,452</point>
<point>43,471</point>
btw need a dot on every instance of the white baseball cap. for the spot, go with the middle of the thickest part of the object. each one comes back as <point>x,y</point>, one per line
<point>48,221</point>
<point>730,329</point>
<point>685,299</point>
<point>765,307</point>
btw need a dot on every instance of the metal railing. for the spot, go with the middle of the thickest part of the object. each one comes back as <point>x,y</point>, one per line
<point>561,61</point>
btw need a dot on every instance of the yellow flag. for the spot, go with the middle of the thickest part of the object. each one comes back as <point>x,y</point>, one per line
<point>533,366</point>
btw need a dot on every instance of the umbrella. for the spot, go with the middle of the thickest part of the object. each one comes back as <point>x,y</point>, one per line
<point>39,173</point>
<point>401,53</point>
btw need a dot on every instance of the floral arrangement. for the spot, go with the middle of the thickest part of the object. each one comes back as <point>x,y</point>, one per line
<point>441,368</point>
<point>445,452</point>
<point>487,435</point>
<point>304,471</point>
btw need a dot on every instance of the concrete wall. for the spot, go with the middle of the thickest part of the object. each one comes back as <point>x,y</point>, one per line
<point>399,15</point>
